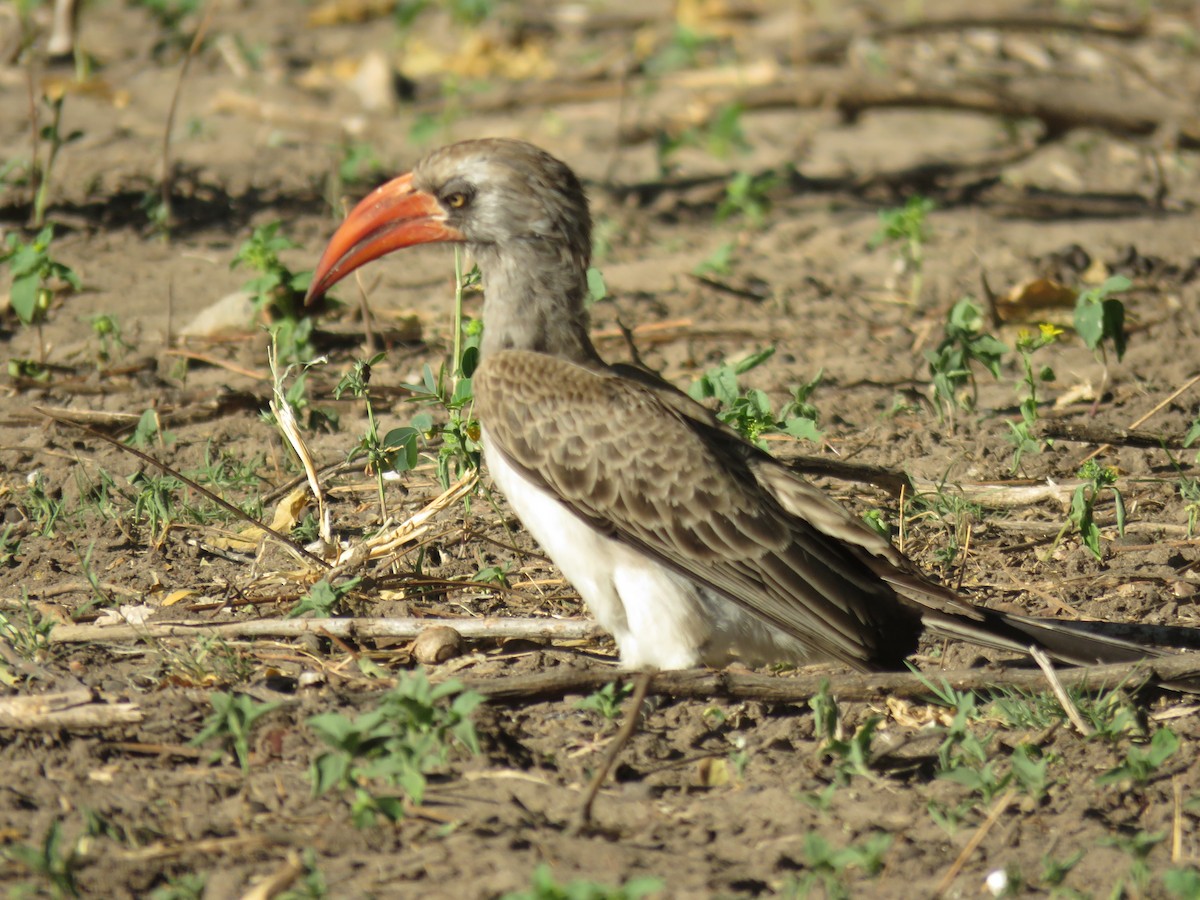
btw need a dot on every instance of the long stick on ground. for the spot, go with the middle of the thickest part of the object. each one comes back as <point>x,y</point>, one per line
<point>799,687</point>
<point>483,628</point>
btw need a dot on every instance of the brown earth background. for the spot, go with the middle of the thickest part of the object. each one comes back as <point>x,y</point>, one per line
<point>1057,141</point>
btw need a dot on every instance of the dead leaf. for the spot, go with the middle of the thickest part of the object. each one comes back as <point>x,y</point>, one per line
<point>340,12</point>
<point>1029,301</point>
<point>176,596</point>
<point>917,715</point>
<point>713,772</point>
<point>55,87</point>
<point>1096,273</point>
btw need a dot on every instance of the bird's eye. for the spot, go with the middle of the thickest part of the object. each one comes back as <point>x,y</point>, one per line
<point>457,200</point>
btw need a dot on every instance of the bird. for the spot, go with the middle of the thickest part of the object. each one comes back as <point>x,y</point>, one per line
<point>690,546</point>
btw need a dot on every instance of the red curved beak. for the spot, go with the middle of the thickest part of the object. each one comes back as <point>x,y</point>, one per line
<point>393,216</point>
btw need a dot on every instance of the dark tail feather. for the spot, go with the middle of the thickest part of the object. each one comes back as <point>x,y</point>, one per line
<point>1076,643</point>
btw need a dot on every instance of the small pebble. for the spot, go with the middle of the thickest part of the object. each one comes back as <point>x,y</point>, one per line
<point>997,882</point>
<point>436,644</point>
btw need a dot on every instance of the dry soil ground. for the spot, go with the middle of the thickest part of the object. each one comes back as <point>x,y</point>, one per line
<point>1056,141</point>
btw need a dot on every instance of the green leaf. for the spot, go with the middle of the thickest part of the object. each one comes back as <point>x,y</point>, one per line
<point>804,428</point>
<point>469,361</point>
<point>597,289</point>
<point>1114,324</point>
<point>1089,324</point>
<point>400,446</point>
<point>1163,745</point>
<point>24,298</point>
<point>1193,433</point>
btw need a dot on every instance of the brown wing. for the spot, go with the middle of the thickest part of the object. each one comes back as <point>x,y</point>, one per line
<point>644,463</point>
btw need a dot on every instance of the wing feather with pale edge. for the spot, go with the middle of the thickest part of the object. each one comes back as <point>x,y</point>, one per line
<point>644,463</point>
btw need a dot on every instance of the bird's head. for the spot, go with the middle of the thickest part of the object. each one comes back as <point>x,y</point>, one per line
<point>496,195</point>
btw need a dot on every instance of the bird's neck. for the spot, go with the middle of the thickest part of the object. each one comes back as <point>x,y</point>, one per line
<point>534,297</point>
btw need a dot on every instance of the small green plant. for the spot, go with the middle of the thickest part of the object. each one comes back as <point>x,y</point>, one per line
<point>311,885</point>
<point>323,600</point>
<point>411,732</point>
<point>1193,435</point>
<point>721,136</point>
<point>170,13</point>
<point>1142,763</point>
<point>14,171</point>
<point>830,867</point>
<point>100,597</point>
<point>953,512</point>
<point>1055,871</point>
<point>876,519</point>
<point>381,456</point>
<point>157,504</point>
<point>739,755</point>
<point>1029,770</point>
<point>278,292</point>
<point>1138,848</point>
<point>606,701</point>
<point>54,861</point>
<point>20,369</point>
<point>750,412</point>
<point>231,721</point>
<point>907,229</point>
<point>467,13</point>
<point>44,509</point>
<point>1189,493</point>
<point>149,432</point>
<point>1183,883</point>
<point>36,275</point>
<point>984,780</point>
<point>1021,434</point>
<point>719,262</point>
<point>963,755</point>
<point>1017,708</point>
<point>746,197</point>
<point>950,817</point>
<point>1112,715</point>
<point>107,331</point>
<point>964,760</point>
<point>1100,318</point>
<point>52,135</point>
<point>359,163</point>
<point>230,471</point>
<point>26,631</point>
<point>207,660</point>
<point>851,756</point>
<point>186,886</point>
<point>10,545</point>
<point>681,50</point>
<point>460,449</point>
<point>544,886</point>
<point>497,575</point>
<point>951,363</point>
<point>1097,480</point>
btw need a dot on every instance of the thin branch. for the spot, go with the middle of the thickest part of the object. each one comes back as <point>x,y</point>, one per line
<point>985,826</point>
<point>1060,693</point>
<point>1173,671</point>
<point>409,627</point>
<point>73,710</point>
<point>633,717</point>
